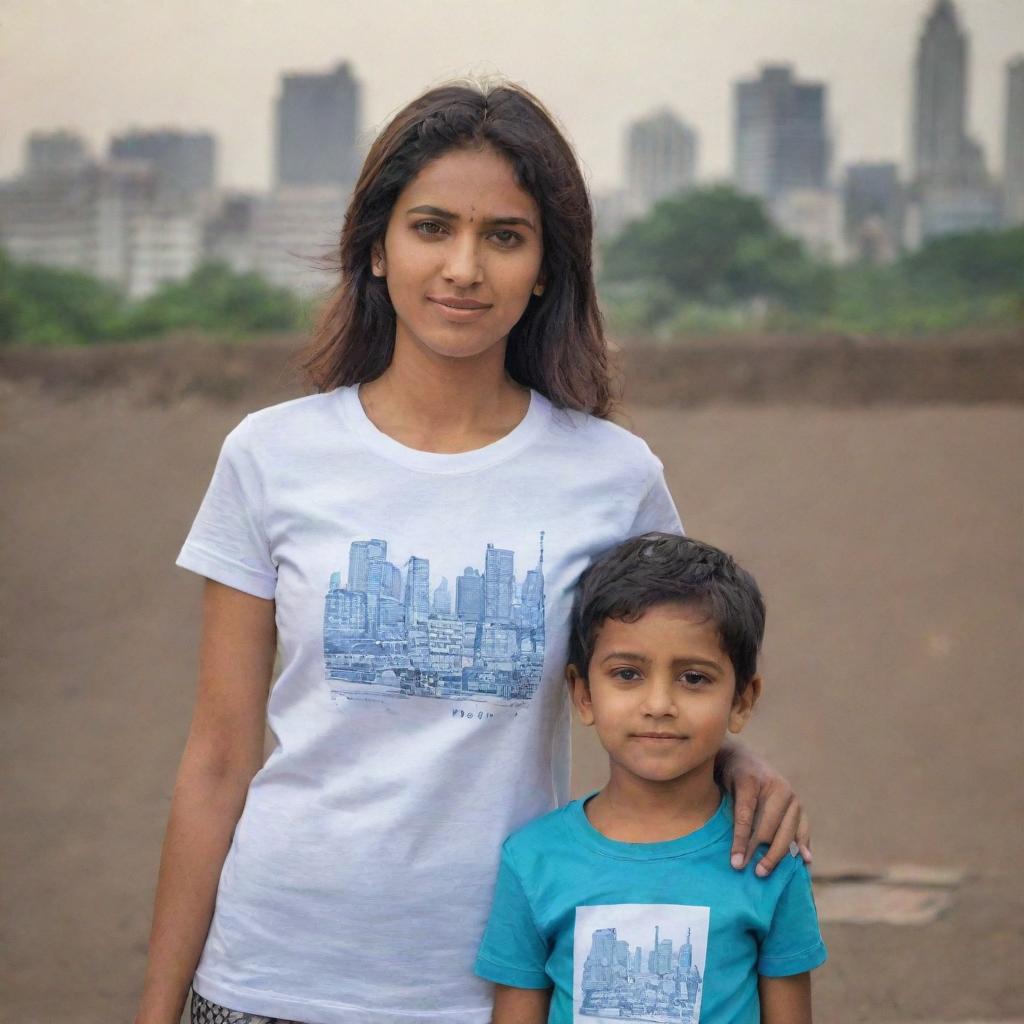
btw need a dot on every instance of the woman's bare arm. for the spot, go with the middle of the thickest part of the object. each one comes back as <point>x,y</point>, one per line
<point>223,752</point>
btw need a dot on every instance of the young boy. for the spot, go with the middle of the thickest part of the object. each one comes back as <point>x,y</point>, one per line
<point>623,905</point>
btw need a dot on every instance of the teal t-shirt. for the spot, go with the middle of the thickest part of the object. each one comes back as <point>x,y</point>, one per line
<point>644,931</point>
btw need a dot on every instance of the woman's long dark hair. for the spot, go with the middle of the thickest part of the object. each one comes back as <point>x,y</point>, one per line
<point>558,345</point>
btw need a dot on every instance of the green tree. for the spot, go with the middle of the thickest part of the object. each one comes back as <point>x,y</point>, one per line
<point>716,246</point>
<point>215,298</point>
<point>43,306</point>
<point>690,242</point>
<point>987,261</point>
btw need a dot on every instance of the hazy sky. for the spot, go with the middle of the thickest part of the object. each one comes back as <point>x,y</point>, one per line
<point>101,66</point>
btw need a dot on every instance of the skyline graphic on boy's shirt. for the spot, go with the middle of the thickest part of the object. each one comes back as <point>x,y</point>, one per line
<point>388,633</point>
<point>640,962</point>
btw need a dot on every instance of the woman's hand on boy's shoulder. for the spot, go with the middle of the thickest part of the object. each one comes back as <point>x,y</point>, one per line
<point>765,810</point>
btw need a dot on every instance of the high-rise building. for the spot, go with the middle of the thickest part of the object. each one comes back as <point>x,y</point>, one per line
<point>55,219</point>
<point>499,568</point>
<point>873,211</point>
<point>417,591</point>
<point>661,159</point>
<point>295,234</point>
<point>184,162</point>
<point>1013,160</point>
<point>952,191</point>
<point>166,244</point>
<point>391,581</point>
<point>781,136</point>
<point>940,96</point>
<point>441,605</point>
<point>469,595</point>
<point>227,232</point>
<point>317,126</point>
<point>363,554</point>
<point>107,220</point>
<point>345,617</point>
<point>52,153</point>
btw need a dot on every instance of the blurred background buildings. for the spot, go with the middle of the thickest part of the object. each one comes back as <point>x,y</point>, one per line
<point>151,210</point>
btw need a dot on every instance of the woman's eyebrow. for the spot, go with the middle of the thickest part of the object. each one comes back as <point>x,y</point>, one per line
<point>436,211</point>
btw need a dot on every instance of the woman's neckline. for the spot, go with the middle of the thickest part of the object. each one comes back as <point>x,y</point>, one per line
<point>520,436</point>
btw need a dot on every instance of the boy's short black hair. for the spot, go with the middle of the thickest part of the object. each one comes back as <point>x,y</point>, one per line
<point>657,568</point>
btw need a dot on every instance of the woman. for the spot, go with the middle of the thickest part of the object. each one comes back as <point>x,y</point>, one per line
<point>407,539</point>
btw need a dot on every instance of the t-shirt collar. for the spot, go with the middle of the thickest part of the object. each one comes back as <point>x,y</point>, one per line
<point>712,831</point>
<point>525,432</point>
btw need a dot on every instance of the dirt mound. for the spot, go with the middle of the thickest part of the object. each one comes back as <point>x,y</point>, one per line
<point>827,370</point>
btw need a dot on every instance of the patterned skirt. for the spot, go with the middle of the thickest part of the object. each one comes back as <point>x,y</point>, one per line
<point>205,1012</point>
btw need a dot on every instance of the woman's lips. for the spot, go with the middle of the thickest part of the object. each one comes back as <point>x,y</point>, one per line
<point>465,312</point>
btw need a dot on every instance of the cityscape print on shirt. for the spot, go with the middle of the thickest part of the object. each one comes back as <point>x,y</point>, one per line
<point>386,633</point>
<point>640,962</point>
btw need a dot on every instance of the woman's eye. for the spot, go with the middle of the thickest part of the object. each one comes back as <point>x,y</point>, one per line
<point>507,239</point>
<point>429,227</point>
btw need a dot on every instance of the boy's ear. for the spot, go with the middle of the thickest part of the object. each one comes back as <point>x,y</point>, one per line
<point>743,704</point>
<point>579,691</point>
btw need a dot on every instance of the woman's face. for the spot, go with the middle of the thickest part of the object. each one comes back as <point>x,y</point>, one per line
<point>462,254</point>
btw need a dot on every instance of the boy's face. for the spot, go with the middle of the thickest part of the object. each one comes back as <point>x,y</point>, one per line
<point>662,692</point>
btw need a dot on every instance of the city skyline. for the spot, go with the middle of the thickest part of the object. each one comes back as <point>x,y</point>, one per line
<point>641,961</point>
<point>693,55</point>
<point>389,631</point>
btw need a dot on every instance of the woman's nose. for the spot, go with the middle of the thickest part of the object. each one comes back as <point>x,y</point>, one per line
<point>462,265</point>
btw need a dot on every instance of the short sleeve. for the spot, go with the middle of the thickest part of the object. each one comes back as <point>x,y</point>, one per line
<point>793,943</point>
<point>657,510</point>
<point>227,542</point>
<point>512,952</point>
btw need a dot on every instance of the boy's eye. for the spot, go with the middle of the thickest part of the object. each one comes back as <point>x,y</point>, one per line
<point>626,674</point>
<point>695,678</point>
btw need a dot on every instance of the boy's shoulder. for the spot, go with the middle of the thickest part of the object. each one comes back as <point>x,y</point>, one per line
<point>540,833</point>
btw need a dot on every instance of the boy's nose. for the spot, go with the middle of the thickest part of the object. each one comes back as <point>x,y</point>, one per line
<point>659,700</point>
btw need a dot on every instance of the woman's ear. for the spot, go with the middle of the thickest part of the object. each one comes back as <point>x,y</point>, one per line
<point>378,264</point>
<point>743,704</point>
<point>579,691</point>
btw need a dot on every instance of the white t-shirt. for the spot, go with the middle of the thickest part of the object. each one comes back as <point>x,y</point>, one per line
<point>422,605</point>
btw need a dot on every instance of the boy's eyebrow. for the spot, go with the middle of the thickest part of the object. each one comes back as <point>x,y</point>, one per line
<point>633,656</point>
<point>628,655</point>
<point>436,211</point>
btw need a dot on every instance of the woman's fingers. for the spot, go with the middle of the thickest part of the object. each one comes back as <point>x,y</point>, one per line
<point>745,793</point>
<point>784,838</point>
<point>776,797</point>
<point>803,838</point>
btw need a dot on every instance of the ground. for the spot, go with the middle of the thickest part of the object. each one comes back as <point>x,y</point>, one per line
<point>886,538</point>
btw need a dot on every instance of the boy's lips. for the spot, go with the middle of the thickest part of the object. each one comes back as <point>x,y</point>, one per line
<point>657,736</point>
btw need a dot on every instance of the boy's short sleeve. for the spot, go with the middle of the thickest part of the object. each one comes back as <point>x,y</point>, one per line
<point>227,542</point>
<point>793,943</point>
<point>657,510</point>
<point>512,952</point>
